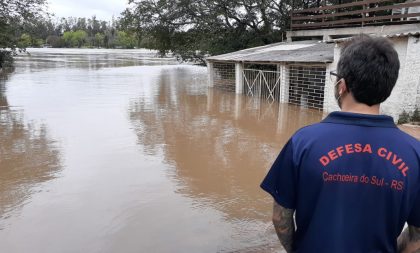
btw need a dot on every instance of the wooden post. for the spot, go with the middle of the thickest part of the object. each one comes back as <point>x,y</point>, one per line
<point>364,14</point>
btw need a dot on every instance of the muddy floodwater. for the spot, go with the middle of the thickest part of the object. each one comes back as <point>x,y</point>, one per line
<point>119,151</point>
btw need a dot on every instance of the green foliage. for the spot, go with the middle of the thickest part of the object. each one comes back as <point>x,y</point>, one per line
<point>14,15</point>
<point>404,118</point>
<point>99,40</point>
<point>79,38</point>
<point>37,42</point>
<point>75,39</point>
<point>125,40</point>
<point>25,41</point>
<point>416,115</point>
<point>194,29</point>
<point>68,38</point>
<point>55,41</point>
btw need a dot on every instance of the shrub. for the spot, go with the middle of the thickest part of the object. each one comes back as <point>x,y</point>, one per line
<point>6,58</point>
<point>404,118</point>
<point>416,115</point>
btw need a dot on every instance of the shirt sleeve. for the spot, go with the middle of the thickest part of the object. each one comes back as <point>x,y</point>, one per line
<point>280,181</point>
<point>414,217</point>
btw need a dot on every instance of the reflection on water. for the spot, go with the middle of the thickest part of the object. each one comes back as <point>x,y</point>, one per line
<point>27,156</point>
<point>220,143</point>
<point>149,158</point>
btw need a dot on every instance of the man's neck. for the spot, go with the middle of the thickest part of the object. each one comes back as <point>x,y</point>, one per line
<point>350,105</point>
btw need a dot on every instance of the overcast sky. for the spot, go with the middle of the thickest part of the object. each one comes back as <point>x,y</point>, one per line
<point>103,9</point>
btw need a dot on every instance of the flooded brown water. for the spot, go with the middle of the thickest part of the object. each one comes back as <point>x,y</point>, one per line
<point>117,151</point>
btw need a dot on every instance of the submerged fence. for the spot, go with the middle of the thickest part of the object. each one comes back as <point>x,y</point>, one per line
<point>298,84</point>
<point>262,83</point>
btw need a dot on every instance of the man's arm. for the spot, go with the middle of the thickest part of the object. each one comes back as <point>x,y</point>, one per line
<point>284,225</point>
<point>409,240</point>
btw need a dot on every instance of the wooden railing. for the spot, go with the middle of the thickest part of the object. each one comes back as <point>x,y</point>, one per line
<point>356,13</point>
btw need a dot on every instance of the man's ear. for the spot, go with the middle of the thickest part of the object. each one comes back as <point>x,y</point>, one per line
<point>342,86</point>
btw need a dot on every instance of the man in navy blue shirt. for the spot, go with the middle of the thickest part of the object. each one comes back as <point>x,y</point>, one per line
<point>352,181</point>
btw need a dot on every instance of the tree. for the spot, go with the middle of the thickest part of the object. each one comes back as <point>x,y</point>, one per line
<point>125,40</point>
<point>68,38</point>
<point>79,38</point>
<point>404,118</point>
<point>99,40</point>
<point>416,115</point>
<point>75,39</point>
<point>194,29</point>
<point>55,41</point>
<point>14,14</point>
<point>25,41</point>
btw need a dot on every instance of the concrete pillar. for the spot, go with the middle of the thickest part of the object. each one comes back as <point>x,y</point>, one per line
<point>283,118</point>
<point>210,99</point>
<point>239,78</point>
<point>210,70</point>
<point>284,83</point>
<point>238,105</point>
<point>326,37</point>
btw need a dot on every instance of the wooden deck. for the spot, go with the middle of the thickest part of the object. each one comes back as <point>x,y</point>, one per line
<point>356,13</point>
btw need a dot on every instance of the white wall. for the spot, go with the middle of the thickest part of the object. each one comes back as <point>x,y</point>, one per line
<point>394,105</point>
<point>406,93</point>
<point>330,104</point>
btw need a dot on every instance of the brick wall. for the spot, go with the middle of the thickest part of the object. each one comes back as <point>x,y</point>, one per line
<point>224,76</point>
<point>306,85</point>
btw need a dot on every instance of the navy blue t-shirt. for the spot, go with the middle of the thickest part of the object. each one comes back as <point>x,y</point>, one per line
<point>353,180</point>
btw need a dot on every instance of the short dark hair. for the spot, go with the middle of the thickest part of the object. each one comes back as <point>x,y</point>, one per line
<point>370,66</point>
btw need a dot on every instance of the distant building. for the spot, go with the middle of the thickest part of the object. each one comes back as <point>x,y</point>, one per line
<point>297,71</point>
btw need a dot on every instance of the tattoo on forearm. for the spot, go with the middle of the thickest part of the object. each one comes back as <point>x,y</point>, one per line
<point>409,240</point>
<point>284,225</point>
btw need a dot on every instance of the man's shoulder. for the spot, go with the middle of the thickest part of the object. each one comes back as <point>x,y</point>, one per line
<point>311,131</point>
<point>329,132</point>
<point>407,137</point>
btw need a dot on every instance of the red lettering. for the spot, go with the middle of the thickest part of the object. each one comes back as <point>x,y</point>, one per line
<point>397,185</point>
<point>394,184</point>
<point>324,160</point>
<point>332,155</point>
<point>367,149</point>
<point>340,151</point>
<point>382,152</point>
<point>349,148</point>
<point>400,185</point>
<point>389,155</point>
<point>404,171</point>
<point>401,166</point>
<point>358,147</point>
<point>396,161</point>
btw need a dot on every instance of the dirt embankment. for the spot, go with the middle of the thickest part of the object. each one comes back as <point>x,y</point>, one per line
<point>413,130</point>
